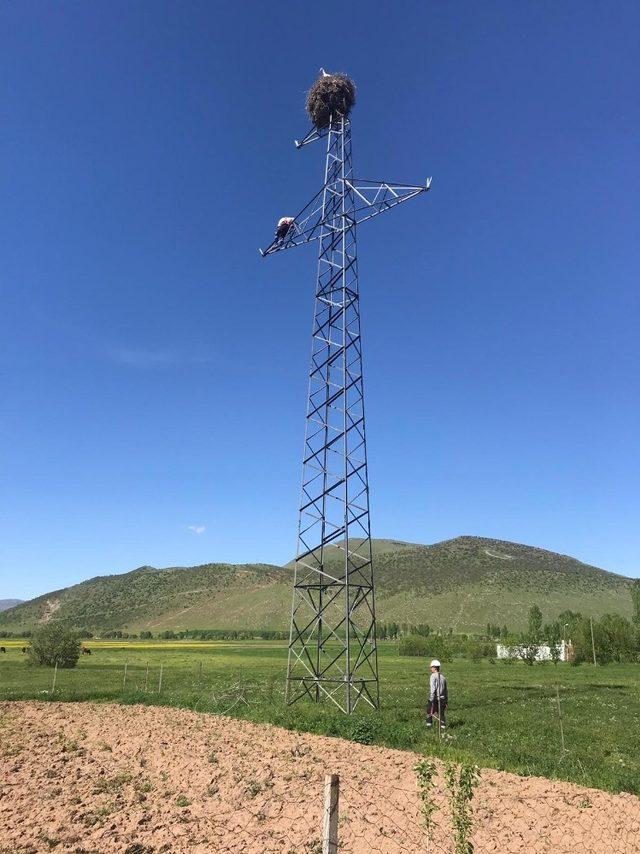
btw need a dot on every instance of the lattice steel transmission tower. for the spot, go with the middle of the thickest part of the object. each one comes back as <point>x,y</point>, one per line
<point>332,647</point>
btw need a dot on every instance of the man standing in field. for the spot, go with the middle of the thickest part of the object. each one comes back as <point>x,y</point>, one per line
<point>438,695</point>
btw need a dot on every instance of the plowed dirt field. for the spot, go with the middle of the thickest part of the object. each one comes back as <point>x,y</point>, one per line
<point>82,777</point>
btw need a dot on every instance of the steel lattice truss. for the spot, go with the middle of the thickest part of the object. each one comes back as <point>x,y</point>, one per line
<point>332,648</point>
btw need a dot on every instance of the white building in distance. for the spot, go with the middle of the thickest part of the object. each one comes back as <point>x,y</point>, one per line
<point>565,649</point>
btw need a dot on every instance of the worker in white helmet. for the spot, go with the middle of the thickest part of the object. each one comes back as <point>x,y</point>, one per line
<point>438,695</point>
<point>282,229</point>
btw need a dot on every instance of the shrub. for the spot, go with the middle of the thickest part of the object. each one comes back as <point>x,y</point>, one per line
<point>431,647</point>
<point>414,645</point>
<point>364,730</point>
<point>55,644</point>
<point>476,651</point>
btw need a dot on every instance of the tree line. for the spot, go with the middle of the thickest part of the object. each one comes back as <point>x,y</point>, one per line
<point>609,638</point>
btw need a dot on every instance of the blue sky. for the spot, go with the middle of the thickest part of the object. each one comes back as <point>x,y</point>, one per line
<point>154,366</point>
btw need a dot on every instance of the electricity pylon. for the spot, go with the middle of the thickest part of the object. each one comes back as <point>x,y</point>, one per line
<point>332,646</point>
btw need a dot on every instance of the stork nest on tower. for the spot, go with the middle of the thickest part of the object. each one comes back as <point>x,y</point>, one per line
<point>330,98</point>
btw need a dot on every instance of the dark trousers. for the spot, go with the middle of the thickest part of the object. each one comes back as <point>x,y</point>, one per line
<point>434,712</point>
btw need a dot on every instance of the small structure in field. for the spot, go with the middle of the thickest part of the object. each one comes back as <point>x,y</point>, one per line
<point>543,653</point>
<point>331,95</point>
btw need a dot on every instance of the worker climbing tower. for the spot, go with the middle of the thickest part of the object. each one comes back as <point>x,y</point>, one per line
<point>332,647</point>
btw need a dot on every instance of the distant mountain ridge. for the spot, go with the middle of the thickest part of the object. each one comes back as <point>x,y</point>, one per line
<point>461,584</point>
<point>5,604</point>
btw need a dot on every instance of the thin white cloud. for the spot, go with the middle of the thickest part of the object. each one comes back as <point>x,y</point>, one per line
<point>197,529</point>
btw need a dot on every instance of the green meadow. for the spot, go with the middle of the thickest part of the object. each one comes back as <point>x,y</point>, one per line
<point>503,715</point>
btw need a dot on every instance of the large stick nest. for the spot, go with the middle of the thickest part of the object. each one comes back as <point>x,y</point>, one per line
<point>330,97</point>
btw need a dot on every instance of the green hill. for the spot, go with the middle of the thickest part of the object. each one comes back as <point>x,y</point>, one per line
<point>462,583</point>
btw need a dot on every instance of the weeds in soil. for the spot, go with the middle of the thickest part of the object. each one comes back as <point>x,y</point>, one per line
<point>112,784</point>
<point>426,772</point>
<point>253,788</point>
<point>461,780</point>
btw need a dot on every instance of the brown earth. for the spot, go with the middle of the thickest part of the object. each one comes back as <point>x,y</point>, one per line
<point>81,777</point>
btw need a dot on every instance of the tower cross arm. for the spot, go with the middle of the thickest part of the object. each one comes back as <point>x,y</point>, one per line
<point>376,197</point>
<point>313,135</point>
<point>371,198</point>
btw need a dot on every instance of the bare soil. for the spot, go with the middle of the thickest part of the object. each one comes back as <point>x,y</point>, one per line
<point>82,777</point>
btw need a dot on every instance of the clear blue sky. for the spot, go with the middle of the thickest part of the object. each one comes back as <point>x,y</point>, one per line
<point>154,366</point>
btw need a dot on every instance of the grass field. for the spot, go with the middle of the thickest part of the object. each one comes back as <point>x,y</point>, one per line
<point>501,715</point>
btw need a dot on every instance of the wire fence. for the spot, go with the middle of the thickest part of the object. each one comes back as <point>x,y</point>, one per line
<point>150,680</point>
<point>381,818</point>
<point>375,818</point>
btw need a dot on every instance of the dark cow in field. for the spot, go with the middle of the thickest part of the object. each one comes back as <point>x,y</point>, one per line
<point>86,650</point>
<point>2,649</point>
<point>24,649</point>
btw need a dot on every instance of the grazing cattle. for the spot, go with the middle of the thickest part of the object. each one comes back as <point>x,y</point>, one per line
<point>2,649</point>
<point>86,650</point>
<point>24,649</point>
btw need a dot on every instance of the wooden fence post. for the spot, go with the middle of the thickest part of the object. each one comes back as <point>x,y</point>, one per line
<point>560,718</point>
<point>160,680</point>
<point>55,676</point>
<point>330,822</point>
<point>124,678</point>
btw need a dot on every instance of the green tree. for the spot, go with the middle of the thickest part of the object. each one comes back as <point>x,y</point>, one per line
<point>569,621</point>
<point>532,637</point>
<point>53,644</point>
<point>529,652</point>
<point>535,623</point>
<point>635,598</point>
<point>553,636</point>
<point>614,639</point>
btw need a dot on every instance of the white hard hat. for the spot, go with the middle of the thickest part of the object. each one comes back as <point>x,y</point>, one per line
<point>435,663</point>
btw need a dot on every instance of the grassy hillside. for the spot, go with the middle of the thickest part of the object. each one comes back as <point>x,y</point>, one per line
<point>461,583</point>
